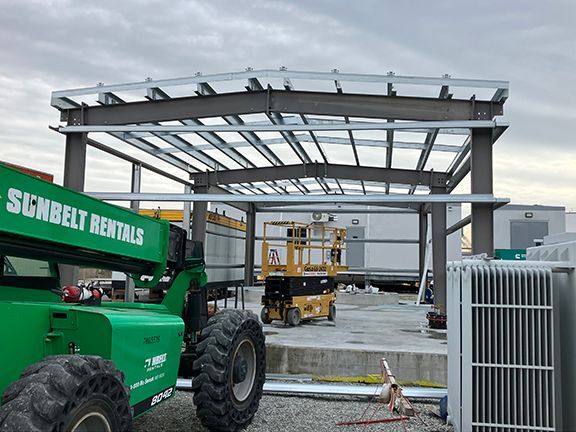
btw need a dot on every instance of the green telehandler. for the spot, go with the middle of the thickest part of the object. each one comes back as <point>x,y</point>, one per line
<point>71,362</point>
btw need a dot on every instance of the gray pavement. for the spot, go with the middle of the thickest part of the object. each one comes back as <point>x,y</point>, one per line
<point>371,328</point>
<point>355,342</point>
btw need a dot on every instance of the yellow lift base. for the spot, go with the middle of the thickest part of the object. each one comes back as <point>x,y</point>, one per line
<point>298,309</point>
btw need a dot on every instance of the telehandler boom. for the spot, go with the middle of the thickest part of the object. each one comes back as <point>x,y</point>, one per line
<point>76,367</point>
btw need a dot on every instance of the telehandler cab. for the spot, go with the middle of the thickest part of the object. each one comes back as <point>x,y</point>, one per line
<point>78,367</point>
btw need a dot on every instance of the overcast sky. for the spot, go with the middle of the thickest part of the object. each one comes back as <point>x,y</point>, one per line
<point>48,45</point>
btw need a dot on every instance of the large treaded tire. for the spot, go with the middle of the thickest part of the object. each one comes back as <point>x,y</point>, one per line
<point>264,316</point>
<point>55,393</point>
<point>213,370</point>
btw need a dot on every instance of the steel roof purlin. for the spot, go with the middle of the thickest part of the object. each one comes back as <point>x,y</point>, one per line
<point>282,116</point>
<point>501,87</point>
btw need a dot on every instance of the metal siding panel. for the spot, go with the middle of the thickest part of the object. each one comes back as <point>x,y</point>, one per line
<point>501,346</point>
<point>554,405</point>
<point>523,386</point>
<point>468,278</point>
<point>538,317</point>
<point>488,343</point>
<point>455,349</point>
<point>508,396</point>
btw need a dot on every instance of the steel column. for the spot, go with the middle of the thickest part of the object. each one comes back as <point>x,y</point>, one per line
<point>481,182</point>
<point>250,246</point>
<point>199,216</point>
<point>186,212</point>
<point>74,173</point>
<point>75,161</point>
<point>422,241</point>
<point>460,166</point>
<point>135,186</point>
<point>136,182</point>
<point>439,251</point>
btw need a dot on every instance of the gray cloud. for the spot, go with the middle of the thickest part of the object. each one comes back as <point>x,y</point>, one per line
<point>57,44</point>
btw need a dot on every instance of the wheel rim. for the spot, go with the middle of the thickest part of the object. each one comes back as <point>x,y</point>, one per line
<point>90,422</point>
<point>297,316</point>
<point>243,370</point>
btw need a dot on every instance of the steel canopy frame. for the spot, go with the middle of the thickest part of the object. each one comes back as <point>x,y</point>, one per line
<point>59,98</point>
<point>307,199</point>
<point>466,124</point>
<point>292,116</point>
<point>315,139</point>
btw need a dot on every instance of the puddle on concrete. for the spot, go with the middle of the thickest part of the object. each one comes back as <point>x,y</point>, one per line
<point>354,342</point>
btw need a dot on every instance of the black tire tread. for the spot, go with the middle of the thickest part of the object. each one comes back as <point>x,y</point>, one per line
<point>210,370</point>
<point>264,317</point>
<point>332,312</point>
<point>50,389</point>
<point>291,316</point>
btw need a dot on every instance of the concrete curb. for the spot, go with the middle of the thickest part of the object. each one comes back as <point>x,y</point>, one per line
<point>407,366</point>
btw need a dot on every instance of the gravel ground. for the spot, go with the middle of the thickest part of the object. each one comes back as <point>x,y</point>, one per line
<point>289,413</point>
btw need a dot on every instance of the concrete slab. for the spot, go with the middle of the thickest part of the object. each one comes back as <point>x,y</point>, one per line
<point>354,344</point>
<point>253,294</point>
<point>368,299</point>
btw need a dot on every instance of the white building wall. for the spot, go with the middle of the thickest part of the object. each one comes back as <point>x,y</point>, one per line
<point>571,221</point>
<point>377,226</point>
<point>383,226</point>
<point>555,216</point>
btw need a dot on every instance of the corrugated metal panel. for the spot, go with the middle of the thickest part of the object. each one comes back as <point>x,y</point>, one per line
<point>501,346</point>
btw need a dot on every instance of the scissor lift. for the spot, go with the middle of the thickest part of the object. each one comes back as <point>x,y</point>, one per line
<point>299,271</point>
